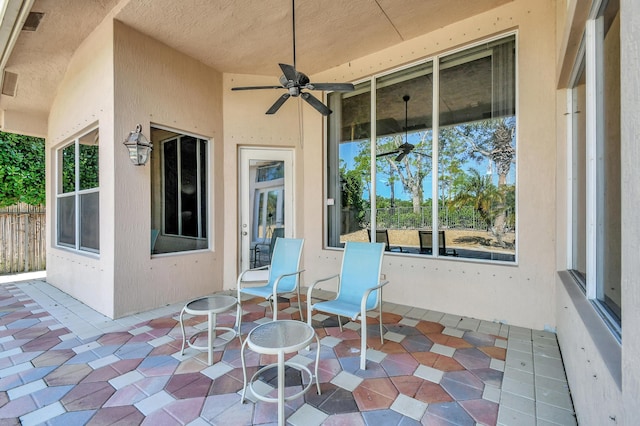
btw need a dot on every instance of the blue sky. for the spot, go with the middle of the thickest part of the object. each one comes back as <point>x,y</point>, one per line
<point>348,150</point>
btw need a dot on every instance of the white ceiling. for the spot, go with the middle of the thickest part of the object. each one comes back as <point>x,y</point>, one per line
<point>236,36</point>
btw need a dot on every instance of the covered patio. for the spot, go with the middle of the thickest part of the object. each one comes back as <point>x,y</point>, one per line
<point>63,363</point>
<point>549,86</point>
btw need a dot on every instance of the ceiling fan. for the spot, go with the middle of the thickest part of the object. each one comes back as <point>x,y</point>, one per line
<point>294,82</point>
<point>406,147</point>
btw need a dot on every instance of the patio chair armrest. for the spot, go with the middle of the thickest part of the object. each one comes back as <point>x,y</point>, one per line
<point>277,281</point>
<point>365,295</point>
<point>242,274</point>
<point>319,281</point>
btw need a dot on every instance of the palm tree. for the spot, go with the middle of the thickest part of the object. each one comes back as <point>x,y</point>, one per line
<point>486,198</point>
<point>493,140</point>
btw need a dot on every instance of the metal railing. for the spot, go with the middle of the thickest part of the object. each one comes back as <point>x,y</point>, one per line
<point>406,218</point>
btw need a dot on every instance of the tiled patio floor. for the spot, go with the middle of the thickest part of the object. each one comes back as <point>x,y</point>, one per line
<point>61,363</point>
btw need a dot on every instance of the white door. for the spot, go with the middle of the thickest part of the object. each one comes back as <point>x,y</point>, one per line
<point>266,202</point>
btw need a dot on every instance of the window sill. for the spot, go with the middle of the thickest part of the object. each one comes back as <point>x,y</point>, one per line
<point>602,337</point>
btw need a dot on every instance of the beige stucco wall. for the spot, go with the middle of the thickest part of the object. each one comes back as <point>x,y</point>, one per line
<point>85,98</point>
<point>603,374</point>
<point>159,85</point>
<point>246,125</point>
<point>630,176</point>
<point>165,88</point>
<point>522,294</point>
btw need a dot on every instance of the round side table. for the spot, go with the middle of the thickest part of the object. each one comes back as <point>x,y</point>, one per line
<point>210,306</point>
<point>279,338</point>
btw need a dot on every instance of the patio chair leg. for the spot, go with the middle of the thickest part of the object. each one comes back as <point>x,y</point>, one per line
<point>274,306</point>
<point>244,372</point>
<point>380,320</point>
<point>184,336</point>
<point>340,323</point>
<point>363,341</point>
<point>300,304</point>
<point>239,320</point>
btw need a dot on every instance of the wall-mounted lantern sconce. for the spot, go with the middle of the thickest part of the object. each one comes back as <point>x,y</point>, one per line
<point>139,147</point>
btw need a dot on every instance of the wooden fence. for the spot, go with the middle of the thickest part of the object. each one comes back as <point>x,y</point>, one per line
<point>22,239</point>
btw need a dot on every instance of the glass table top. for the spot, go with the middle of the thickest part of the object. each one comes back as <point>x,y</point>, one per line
<point>282,334</point>
<point>215,303</point>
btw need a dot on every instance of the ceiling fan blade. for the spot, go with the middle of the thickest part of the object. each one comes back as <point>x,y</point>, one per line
<point>277,104</point>
<point>423,154</point>
<point>384,154</point>
<point>401,156</point>
<point>289,72</point>
<point>336,87</point>
<point>314,102</point>
<point>256,87</point>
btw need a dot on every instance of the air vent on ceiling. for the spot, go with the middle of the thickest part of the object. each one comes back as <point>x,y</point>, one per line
<point>9,83</point>
<point>32,21</point>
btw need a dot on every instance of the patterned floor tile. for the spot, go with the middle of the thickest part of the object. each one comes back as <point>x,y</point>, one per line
<point>483,411</point>
<point>124,415</point>
<point>400,364</point>
<point>382,417</point>
<point>409,407</point>
<point>143,362</point>
<point>472,358</point>
<point>18,407</point>
<point>448,413</point>
<point>68,375</point>
<point>494,352</point>
<point>50,395</point>
<point>368,400</point>
<point>432,393</point>
<point>87,396</point>
<point>72,418</point>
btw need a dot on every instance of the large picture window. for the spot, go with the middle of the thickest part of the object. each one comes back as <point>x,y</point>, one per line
<point>444,157</point>
<point>595,229</point>
<point>78,194</point>
<point>179,192</point>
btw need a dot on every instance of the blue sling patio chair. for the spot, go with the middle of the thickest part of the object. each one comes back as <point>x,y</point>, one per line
<point>359,289</point>
<point>282,276</point>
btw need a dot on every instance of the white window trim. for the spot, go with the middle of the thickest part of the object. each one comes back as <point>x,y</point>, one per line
<point>435,141</point>
<point>75,194</point>
<point>592,51</point>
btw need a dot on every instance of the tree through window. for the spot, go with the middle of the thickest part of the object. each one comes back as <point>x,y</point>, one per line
<point>467,135</point>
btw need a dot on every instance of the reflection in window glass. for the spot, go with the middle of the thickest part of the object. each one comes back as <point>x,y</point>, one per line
<point>349,164</point>
<point>579,170</point>
<point>89,170</point>
<point>78,200</point>
<point>170,186</point>
<point>477,151</point>
<point>471,200</point>
<point>89,221</point>
<point>608,194</point>
<point>404,104</point>
<point>68,169</point>
<point>67,221</point>
<point>189,186</point>
<point>179,188</point>
<point>268,218</point>
<point>270,172</point>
